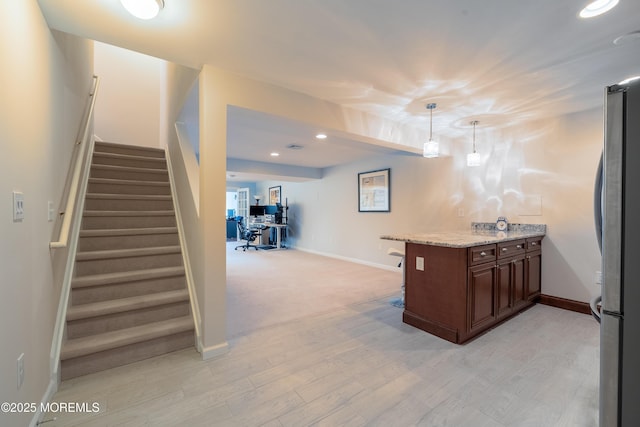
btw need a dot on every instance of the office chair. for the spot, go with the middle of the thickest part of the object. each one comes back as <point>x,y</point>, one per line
<point>247,234</point>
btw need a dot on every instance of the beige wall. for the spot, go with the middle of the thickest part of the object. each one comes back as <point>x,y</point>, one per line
<point>128,109</point>
<point>553,161</point>
<point>45,82</point>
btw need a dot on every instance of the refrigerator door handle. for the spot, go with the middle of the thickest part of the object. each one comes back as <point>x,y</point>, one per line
<point>597,202</point>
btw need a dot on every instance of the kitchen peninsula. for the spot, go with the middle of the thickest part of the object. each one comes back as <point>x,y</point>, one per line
<point>460,284</point>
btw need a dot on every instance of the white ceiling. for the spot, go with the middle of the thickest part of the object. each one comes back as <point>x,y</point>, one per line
<point>500,61</point>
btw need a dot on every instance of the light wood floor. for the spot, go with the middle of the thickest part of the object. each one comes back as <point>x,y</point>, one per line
<point>358,364</point>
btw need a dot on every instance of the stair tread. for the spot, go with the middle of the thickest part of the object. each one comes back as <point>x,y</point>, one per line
<point>129,213</point>
<point>125,253</point>
<point>120,196</point>
<point>112,181</point>
<point>128,231</point>
<point>129,156</point>
<point>126,276</point>
<point>120,305</point>
<point>109,340</point>
<point>107,144</point>
<point>120,168</point>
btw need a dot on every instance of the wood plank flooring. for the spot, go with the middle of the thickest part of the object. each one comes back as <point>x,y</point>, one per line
<point>358,365</point>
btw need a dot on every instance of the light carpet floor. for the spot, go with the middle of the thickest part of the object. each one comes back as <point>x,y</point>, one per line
<point>269,287</point>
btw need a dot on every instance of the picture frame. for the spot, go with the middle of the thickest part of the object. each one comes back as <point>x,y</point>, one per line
<point>374,191</point>
<point>275,195</point>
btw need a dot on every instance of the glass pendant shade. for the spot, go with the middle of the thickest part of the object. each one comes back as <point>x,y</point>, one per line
<point>143,9</point>
<point>430,149</point>
<point>473,159</point>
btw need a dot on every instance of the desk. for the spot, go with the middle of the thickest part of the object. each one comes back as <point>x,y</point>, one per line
<point>280,228</point>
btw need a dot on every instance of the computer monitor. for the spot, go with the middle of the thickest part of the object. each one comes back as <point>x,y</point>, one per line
<point>256,210</point>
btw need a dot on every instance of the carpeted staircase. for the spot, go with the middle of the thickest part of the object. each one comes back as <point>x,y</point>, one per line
<point>129,298</point>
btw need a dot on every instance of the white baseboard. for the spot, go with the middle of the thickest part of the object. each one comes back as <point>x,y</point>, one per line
<point>214,351</point>
<point>46,398</point>
<point>354,260</point>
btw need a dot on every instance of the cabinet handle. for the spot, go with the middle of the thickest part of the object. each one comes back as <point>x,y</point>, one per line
<point>483,253</point>
<point>534,243</point>
<point>519,246</point>
<point>504,249</point>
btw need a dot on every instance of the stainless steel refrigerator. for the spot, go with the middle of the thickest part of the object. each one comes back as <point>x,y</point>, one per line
<point>617,211</point>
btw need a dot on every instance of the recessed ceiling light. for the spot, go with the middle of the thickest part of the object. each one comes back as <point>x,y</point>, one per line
<point>274,154</point>
<point>627,38</point>
<point>143,9</point>
<point>321,136</point>
<point>629,80</point>
<point>597,7</point>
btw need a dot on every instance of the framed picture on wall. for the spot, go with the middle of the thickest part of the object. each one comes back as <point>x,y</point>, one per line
<point>275,194</point>
<point>373,191</point>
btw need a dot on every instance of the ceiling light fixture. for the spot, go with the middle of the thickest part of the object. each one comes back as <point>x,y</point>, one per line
<point>274,154</point>
<point>629,80</point>
<point>143,9</point>
<point>473,159</point>
<point>597,7</point>
<point>430,148</point>
<point>321,136</point>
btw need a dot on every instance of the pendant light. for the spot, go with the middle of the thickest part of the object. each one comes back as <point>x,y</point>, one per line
<point>143,9</point>
<point>473,159</point>
<point>430,148</point>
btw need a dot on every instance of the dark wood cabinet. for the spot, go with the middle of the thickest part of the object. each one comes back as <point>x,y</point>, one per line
<point>461,292</point>
<point>482,289</point>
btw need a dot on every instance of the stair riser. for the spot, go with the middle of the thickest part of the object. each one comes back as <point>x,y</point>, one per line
<point>97,325</point>
<point>114,188</point>
<point>127,205</point>
<point>110,222</point>
<point>136,176</point>
<point>132,162</point>
<point>124,355</point>
<point>100,266</point>
<point>127,242</point>
<point>129,150</point>
<point>91,294</point>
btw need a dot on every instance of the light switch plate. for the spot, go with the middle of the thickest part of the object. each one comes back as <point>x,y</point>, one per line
<point>18,206</point>
<point>419,263</point>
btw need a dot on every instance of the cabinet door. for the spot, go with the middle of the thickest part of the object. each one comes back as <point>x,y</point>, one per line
<point>504,300</point>
<point>533,274</point>
<point>482,279</point>
<point>518,282</point>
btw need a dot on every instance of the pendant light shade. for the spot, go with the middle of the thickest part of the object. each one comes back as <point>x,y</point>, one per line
<point>430,148</point>
<point>143,9</point>
<point>473,159</point>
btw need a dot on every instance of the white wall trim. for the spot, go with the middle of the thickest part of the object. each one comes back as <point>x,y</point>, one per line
<point>193,295</point>
<point>215,351</point>
<point>354,260</point>
<point>46,398</point>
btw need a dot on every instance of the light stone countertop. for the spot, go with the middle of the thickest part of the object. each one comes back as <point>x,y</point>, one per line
<point>479,234</point>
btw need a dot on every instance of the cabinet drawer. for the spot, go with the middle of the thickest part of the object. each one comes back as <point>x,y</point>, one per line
<point>482,254</point>
<point>511,248</point>
<point>534,243</point>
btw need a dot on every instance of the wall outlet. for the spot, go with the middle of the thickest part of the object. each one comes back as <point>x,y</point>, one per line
<point>18,206</point>
<point>598,277</point>
<point>419,263</point>
<point>20,370</point>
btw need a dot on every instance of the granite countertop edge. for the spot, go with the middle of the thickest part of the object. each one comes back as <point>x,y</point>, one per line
<point>480,234</point>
